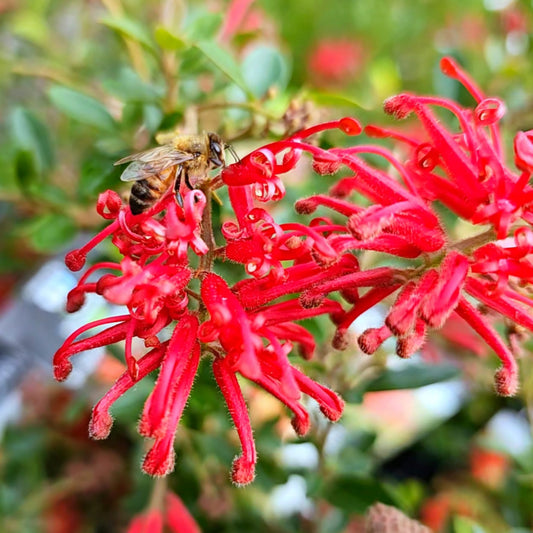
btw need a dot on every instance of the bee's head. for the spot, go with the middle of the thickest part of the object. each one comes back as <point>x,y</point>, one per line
<point>216,150</point>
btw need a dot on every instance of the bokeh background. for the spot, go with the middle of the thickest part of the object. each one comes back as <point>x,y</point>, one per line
<point>84,83</point>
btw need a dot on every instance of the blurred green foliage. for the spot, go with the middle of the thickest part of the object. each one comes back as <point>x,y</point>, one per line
<point>85,82</point>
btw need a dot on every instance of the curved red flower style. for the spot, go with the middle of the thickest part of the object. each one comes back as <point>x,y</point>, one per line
<point>293,271</point>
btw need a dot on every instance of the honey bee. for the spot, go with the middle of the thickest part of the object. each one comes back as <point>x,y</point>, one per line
<point>186,159</point>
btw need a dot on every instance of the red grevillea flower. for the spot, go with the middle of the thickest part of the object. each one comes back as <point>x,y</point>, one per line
<point>240,328</point>
<point>292,271</point>
<point>173,516</point>
<point>465,170</point>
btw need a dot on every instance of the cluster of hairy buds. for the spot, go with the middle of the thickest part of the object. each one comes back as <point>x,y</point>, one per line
<point>293,271</point>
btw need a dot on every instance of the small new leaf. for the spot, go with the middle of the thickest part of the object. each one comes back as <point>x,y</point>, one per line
<point>169,41</point>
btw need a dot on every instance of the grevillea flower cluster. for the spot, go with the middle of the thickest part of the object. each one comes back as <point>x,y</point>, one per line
<point>293,271</point>
<point>170,515</point>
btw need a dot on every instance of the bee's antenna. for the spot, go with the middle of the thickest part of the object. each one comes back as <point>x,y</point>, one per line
<point>232,151</point>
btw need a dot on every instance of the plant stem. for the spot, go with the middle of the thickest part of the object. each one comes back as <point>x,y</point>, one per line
<point>206,261</point>
<point>158,493</point>
<point>467,245</point>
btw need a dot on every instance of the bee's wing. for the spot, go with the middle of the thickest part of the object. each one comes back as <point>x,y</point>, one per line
<point>152,162</point>
<point>137,171</point>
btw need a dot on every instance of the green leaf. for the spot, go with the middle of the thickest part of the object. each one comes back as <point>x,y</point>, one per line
<point>462,524</point>
<point>129,87</point>
<point>354,493</point>
<point>30,25</point>
<point>131,29</point>
<point>97,174</point>
<point>51,194</point>
<point>29,133</point>
<point>354,395</point>
<point>48,232</point>
<point>352,460</point>
<point>26,171</point>
<point>170,120</point>
<point>152,116</point>
<point>132,115</point>
<point>384,77</point>
<point>413,377</point>
<point>81,107</point>
<point>332,99</point>
<point>204,27</point>
<point>409,495</point>
<point>224,62</point>
<point>264,67</point>
<point>9,180</point>
<point>169,41</point>
<point>193,62</point>
<point>111,145</point>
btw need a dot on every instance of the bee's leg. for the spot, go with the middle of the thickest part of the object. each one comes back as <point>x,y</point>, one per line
<point>187,181</point>
<point>177,185</point>
<point>232,151</point>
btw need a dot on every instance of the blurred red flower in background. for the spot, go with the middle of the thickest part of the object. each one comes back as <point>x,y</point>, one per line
<point>335,61</point>
<point>489,467</point>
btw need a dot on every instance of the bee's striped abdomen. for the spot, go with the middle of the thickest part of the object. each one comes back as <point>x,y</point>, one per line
<point>145,193</point>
